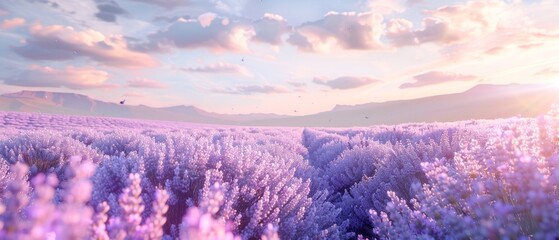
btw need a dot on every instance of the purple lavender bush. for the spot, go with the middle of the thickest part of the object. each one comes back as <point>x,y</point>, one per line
<point>502,189</point>
<point>125,179</point>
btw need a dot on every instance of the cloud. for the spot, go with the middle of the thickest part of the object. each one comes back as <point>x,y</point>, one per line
<point>59,43</point>
<point>436,77</point>
<point>345,82</point>
<point>108,10</point>
<point>47,2</point>
<point>145,83</point>
<point>348,30</point>
<point>413,2</point>
<point>206,19</point>
<point>270,29</point>
<point>164,3</point>
<point>450,24</point>
<point>386,7</point>
<point>253,89</point>
<point>220,67</point>
<point>173,19</point>
<point>296,84</point>
<point>12,23</point>
<point>70,77</point>
<point>475,29</point>
<point>548,71</point>
<point>216,34</point>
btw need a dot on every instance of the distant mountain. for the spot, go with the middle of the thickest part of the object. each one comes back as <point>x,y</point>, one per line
<point>480,102</point>
<point>77,104</point>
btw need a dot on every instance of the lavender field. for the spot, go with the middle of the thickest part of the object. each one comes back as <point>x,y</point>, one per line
<point>68,177</point>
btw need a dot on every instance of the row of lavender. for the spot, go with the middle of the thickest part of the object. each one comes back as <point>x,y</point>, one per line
<point>134,179</point>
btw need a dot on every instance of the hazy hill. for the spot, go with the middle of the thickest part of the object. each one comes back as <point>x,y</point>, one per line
<point>481,102</point>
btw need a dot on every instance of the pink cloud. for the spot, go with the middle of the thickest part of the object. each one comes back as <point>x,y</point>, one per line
<point>475,30</point>
<point>386,7</point>
<point>436,77</point>
<point>12,23</point>
<point>70,77</point>
<point>220,67</point>
<point>495,50</point>
<point>346,82</point>
<point>450,24</point>
<point>206,19</point>
<point>57,42</point>
<point>348,30</point>
<point>145,83</point>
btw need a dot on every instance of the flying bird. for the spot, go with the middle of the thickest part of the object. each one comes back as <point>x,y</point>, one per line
<point>242,59</point>
<point>122,102</point>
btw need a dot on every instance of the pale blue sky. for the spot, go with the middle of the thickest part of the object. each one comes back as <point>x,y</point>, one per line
<point>244,56</point>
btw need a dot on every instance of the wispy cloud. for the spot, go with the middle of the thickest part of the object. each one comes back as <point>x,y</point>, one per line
<point>145,83</point>
<point>206,19</point>
<point>70,77</point>
<point>57,42</point>
<point>220,67</point>
<point>12,23</point>
<point>253,89</point>
<point>449,24</point>
<point>296,84</point>
<point>345,82</point>
<point>436,77</point>
<point>358,31</point>
<point>548,71</point>
<point>49,3</point>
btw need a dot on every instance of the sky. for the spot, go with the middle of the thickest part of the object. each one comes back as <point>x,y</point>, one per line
<point>292,57</point>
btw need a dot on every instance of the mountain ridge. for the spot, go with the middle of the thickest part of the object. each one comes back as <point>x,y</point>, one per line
<point>480,102</point>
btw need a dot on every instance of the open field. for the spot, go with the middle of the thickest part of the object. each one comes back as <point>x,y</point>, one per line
<point>116,177</point>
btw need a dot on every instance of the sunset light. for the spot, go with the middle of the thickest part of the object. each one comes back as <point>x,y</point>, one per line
<point>279,119</point>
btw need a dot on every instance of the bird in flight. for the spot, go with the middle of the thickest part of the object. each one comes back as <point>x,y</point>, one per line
<point>122,102</point>
<point>242,59</point>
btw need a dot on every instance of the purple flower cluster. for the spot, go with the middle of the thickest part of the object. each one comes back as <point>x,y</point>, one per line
<point>504,188</point>
<point>127,179</point>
